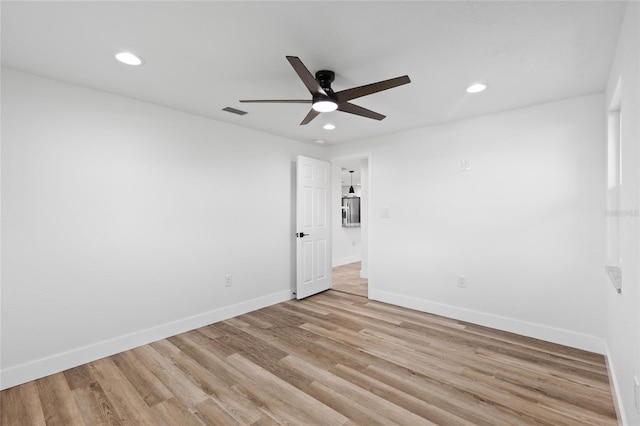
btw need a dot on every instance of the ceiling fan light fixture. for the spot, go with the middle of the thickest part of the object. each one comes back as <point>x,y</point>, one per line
<point>476,88</point>
<point>351,190</point>
<point>129,58</point>
<point>325,105</point>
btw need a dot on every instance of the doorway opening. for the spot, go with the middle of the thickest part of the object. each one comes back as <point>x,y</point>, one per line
<point>350,247</point>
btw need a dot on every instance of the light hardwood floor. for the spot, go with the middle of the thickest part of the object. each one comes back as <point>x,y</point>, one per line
<point>346,278</point>
<point>331,359</point>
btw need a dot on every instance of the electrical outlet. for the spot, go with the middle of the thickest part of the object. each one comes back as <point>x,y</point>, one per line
<point>227,280</point>
<point>462,281</point>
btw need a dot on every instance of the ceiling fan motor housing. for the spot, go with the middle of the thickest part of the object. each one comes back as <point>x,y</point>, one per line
<point>325,78</point>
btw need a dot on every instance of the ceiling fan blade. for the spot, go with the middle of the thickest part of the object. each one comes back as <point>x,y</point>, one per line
<point>305,75</point>
<point>276,101</point>
<point>357,92</point>
<point>312,114</point>
<point>358,110</point>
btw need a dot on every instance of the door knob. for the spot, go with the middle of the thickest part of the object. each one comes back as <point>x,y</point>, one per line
<point>301,234</point>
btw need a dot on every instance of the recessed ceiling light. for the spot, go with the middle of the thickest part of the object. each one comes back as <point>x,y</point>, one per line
<point>329,126</point>
<point>129,58</point>
<point>476,88</point>
<point>319,141</point>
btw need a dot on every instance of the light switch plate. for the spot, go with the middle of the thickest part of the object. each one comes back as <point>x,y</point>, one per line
<point>462,281</point>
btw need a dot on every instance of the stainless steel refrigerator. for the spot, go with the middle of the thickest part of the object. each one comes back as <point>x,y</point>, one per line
<point>350,212</point>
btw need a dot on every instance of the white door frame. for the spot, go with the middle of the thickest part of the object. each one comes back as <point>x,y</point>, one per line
<point>335,161</point>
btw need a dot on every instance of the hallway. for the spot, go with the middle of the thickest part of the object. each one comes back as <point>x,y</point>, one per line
<point>346,278</point>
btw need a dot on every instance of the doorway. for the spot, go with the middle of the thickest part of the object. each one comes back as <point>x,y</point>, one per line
<point>350,247</point>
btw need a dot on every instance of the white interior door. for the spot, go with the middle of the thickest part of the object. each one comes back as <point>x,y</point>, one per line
<point>313,227</point>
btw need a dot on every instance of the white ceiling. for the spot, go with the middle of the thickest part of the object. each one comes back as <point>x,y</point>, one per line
<point>203,56</point>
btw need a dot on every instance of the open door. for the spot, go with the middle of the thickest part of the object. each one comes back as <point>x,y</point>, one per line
<point>313,227</point>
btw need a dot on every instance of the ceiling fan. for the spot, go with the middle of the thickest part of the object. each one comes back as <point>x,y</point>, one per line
<point>324,99</point>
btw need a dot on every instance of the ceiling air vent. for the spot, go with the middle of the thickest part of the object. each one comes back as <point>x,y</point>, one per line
<point>234,111</point>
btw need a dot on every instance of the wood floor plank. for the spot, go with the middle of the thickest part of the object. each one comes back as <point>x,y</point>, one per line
<point>573,374</point>
<point>149,387</point>
<point>219,380</point>
<point>21,405</point>
<point>563,386</point>
<point>158,358</point>
<point>58,405</point>
<point>457,401</point>
<point>393,413</point>
<point>548,347</point>
<point>307,307</point>
<point>444,338</point>
<point>241,342</point>
<point>343,307</point>
<point>173,412</point>
<point>91,399</point>
<point>310,315</point>
<point>554,410</point>
<point>551,381</point>
<point>415,405</point>
<point>211,413</point>
<point>128,405</point>
<point>358,413</point>
<point>95,408</point>
<point>415,317</point>
<point>296,407</point>
<point>334,358</point>
<point>253,318</point>
<point>78,377</point>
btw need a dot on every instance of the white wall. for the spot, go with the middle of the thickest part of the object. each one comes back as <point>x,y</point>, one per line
<point>120,220</point>
<point>525,225</point>
<point>623,310</point>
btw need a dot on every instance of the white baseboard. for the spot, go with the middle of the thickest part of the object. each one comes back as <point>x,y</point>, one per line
<point>615,389</point>
<point>345,261</point>
<point>523,328</point>
<point>32,370</point>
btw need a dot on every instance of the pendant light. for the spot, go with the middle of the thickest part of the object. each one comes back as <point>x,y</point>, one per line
<point>351,190</point>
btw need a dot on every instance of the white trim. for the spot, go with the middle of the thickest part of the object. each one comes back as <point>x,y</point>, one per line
<point>615,388</point>
<point>32,370</point>
<point>350,157</point>
<point>345,261</point>
<point>538,331</point>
